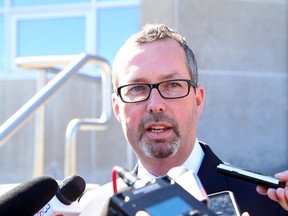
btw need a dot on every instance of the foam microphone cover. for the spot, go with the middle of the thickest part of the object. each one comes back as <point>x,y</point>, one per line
<point>29,197</point>
<point>70,189</point>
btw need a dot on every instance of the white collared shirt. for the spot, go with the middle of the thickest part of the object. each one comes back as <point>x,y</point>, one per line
<point>193,162</point>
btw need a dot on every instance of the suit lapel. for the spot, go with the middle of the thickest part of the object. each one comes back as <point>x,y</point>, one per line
<point>211,180</point>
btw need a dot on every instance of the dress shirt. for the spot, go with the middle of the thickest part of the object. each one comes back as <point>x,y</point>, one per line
<point>193,162</point>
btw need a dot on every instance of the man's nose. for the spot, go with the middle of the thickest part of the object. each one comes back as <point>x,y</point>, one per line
<point>156,103</point>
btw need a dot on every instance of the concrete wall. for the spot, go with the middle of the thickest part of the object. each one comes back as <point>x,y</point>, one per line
<point>241,48</point>
<point>16,154</point>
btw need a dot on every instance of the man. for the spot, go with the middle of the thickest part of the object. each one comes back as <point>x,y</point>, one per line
<point>158,101</point>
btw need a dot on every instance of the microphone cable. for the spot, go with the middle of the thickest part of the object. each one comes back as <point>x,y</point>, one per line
<point>114,178</point>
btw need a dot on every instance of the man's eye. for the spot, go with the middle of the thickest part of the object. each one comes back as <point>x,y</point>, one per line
<point>136,89</point>
<point>173,85</point>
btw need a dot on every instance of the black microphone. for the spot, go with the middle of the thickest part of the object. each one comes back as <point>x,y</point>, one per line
<point>29,197</point>
<point>65,202</point>
<point>70,189</point>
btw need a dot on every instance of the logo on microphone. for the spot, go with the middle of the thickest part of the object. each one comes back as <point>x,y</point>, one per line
<point>44,210</point>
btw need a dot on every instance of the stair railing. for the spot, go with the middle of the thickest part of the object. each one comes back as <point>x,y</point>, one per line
<point>17,120</point>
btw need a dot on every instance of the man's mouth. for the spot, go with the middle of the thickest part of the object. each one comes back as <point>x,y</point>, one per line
<point>157,129</point>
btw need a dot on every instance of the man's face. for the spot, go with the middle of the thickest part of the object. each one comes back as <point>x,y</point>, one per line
<point>157,128</point>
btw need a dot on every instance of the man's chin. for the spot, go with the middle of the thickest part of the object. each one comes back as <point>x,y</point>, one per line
<point>159,153</point>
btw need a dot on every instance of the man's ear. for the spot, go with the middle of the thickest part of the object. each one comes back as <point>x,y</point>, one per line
<point>200,95</point>
<point>115,106</point>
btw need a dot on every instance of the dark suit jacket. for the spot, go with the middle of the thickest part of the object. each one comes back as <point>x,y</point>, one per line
<point>245,193</point>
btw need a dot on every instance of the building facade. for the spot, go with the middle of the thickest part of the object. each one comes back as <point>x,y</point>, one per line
<point>241,49</point>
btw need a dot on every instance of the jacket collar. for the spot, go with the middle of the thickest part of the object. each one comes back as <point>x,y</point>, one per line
<point>211,180</point>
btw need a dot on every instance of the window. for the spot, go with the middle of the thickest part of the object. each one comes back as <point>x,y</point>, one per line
<point>52,36</point>
<point>2,42</point>
<point>64,27</point>
<point>113,34</point>
<point>43,2</point>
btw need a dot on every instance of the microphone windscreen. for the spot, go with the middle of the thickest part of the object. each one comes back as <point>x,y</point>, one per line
<point>29,197</point>
<point>70,189</point>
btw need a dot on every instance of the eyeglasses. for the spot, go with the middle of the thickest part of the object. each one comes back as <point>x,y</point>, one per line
<point>170,89</point>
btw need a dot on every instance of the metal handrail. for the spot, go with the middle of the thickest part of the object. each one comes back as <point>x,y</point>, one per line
<point>16,121</point>
<point>72,129</point>
<point>86,124</point>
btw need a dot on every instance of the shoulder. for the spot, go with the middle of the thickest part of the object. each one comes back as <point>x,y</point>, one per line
<point>245,193</point>
<point>96,201</point>
<point>93,201</point>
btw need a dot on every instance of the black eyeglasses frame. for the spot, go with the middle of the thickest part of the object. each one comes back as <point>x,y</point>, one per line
<point>156,85</point>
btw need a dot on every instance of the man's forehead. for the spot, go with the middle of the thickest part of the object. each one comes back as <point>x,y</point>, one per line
<point>134,59</point>
<point>125,54</point>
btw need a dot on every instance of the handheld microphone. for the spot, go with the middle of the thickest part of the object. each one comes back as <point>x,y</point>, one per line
<point>65,202</point>
<point>29,197</point>
<point>130,178</point>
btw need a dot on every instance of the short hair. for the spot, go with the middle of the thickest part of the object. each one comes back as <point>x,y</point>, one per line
<point>154,32</point>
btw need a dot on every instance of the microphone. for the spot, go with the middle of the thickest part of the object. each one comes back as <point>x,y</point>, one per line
<point>64,203</point>
<point>29,197</point>
<point>190,181</point>
<point>130,178</point>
